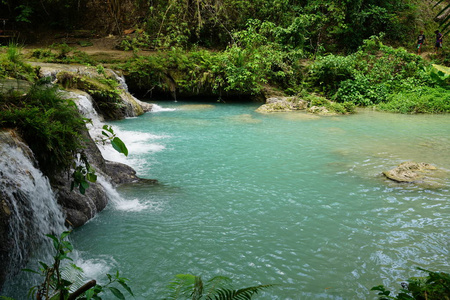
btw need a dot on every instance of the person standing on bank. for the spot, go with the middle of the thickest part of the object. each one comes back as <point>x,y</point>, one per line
<point>420,41</point>
<point>438,41</point>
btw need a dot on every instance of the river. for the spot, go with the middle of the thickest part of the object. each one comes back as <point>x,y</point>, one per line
<point>287,198</point>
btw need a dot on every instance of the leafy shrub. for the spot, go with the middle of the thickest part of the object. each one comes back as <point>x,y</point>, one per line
<point>327,72</point>
<point>12,65</point>
<point>339,108</point>
<point>50,124</point>
<point>435,286</point>
<point>378,74</point>
<point>361,91</point>
<point>60,279</point>
<point>424,100</point>
<point>46,54</point>
<point>236,70</point>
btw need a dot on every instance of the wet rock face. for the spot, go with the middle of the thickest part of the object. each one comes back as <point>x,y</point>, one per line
<point>121,174</point>
<point>5,241</point>
<point>80,208</point>
<point>77,207</point>
<point>410,172</point>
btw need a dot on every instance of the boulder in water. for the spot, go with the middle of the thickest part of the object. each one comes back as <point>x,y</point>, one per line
<point>121,173</point>
<point>410,172</point>
<point>281,104</point>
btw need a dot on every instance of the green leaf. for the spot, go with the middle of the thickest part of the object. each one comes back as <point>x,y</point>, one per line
<point>31,271</point>
<point>89,293</point>
<point>117,293</point>
<point>125,286</point>
<point>84,184</point>
<point>82,190</point>
<point>91,177</point>
<point>44,265</point>
<point>119,146</point>
<point>65,234</point>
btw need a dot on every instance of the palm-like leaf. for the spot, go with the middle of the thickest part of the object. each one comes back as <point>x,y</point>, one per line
<point>187,286</point>
<point>181,286</point>
<point>241,294</point>
<point>445,22</point>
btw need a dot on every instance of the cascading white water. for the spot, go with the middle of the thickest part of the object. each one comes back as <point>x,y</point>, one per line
<point>157,108</point>
<point>33,206</point>
<point>138,142</point>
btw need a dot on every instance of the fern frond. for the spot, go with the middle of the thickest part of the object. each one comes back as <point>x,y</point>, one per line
<point>74,274</point>
<point>241,294</point>
<point>215,283</point>
<point>182,286</point>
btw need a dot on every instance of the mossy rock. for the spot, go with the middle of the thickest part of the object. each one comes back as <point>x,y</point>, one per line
<point>283,104</point>
<point>107,98</point>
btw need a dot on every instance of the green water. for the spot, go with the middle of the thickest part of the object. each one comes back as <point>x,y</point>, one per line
<point>289,199</point>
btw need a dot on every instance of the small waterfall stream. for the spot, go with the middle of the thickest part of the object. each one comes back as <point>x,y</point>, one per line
<point>34,211</point>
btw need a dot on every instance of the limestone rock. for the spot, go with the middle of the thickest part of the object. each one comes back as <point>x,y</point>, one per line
<point>282,104</point>
<point>320,110</point>
<point>410,172</point>
<point>131,107</point>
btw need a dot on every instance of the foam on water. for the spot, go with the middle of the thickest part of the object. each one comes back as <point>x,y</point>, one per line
<point>157,108</point>
<point>136,142</point>
<point>119,203</point>
<point>95,268</point>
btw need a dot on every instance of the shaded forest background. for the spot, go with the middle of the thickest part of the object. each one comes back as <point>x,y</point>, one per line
<point>310,25</point>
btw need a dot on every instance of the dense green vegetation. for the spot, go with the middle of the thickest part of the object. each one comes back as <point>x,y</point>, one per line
<point>63,280</point>
<point>309,24</point>
<point>49,123</point>
<point>434,286</point>
<point>338,54</point>
<point>348,51</point>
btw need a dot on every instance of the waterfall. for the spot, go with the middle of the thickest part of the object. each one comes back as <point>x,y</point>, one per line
<point>85,106</point>
<point>33,209</point>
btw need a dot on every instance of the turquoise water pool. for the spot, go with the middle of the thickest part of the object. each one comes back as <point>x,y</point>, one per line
<point>288,198</point>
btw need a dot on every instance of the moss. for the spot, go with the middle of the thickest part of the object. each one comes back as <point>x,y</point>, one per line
<point>330,107</point>
<point>104,91</point>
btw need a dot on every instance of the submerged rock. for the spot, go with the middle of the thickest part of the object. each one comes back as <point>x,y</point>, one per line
<point>410,172</point>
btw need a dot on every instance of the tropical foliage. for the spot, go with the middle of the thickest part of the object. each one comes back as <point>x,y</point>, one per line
<point>187,286</point>
<point>57,277</point>
<point>50,124</point>
<point>308,24</point>
<point>434,286</point>
<point>444,15</point>
<point>392,79</point>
